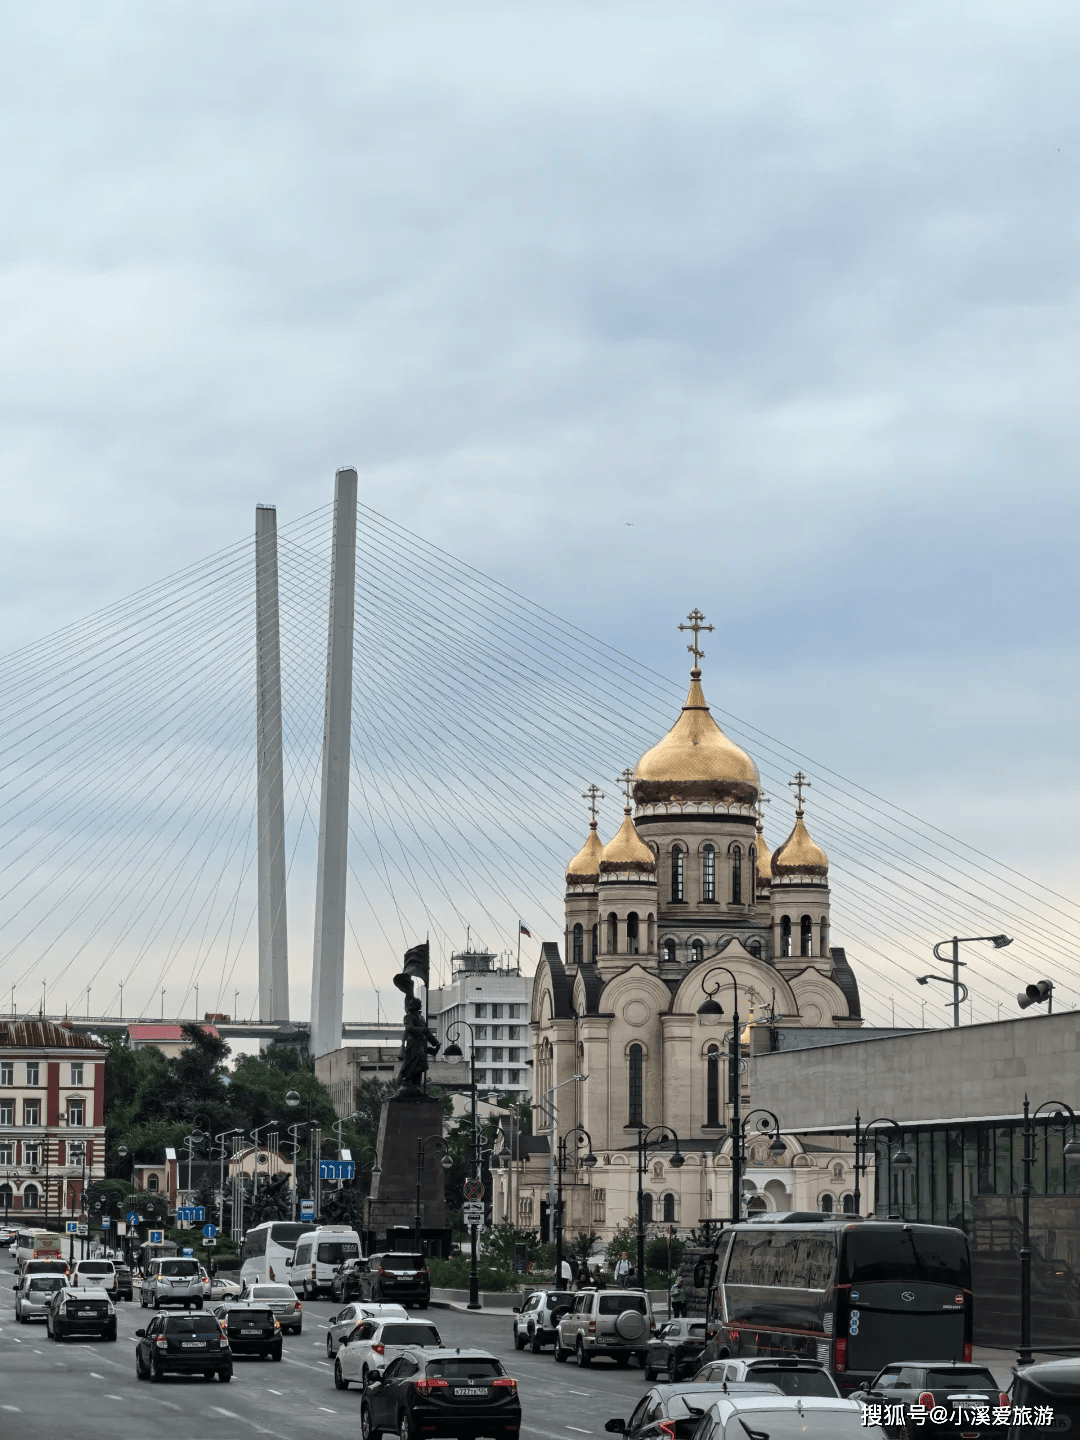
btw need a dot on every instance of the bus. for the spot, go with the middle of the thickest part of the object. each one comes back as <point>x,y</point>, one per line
<point>34,1244</point>
<point>266,1249</point>
<point>855,1294</point>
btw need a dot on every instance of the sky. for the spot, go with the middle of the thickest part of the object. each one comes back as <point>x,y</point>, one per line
<point>770,310</point>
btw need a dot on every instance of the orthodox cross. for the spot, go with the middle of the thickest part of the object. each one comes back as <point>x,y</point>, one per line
<point>762,799</point>
<point>626,779</point>
<point>592,794</point>
<point>797,785</point>
<point>696,617</point>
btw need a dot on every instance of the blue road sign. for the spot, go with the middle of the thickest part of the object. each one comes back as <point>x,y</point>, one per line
<point>337,1170</point>
<point>71,1227</point>
<point>307,1209</point>
<point>188,1250</point>
<point>105,1224</point>
<point>156,1237</point>
<point>190,1214</point>
<point>209,1231</point>
<point>131,1217</point>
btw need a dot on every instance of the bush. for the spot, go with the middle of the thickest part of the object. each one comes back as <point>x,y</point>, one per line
<point>656,1254</point>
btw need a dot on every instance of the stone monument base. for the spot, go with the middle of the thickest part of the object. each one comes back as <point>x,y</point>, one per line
<point>406,1119</point>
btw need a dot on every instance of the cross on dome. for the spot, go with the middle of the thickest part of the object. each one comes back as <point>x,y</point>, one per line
<point>696,619</point>
<point>797,785</point>
<point>592,794</point>
<point>626,780</point>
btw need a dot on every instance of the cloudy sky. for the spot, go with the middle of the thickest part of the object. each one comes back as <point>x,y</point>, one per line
<point>770,309</point>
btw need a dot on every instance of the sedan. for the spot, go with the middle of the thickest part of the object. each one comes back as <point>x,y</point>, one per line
<point>345,1321</point>
<point>80,1311</point>
<point>184,1344</point>
<point>792,1377</point>
<point>676,1349</point>
<point>666,1412</point>
<point>372,1346</point>
<point>785,1417</point>
<point>222,1289</point>
<point>282,1301</point>
<point>461,1393</point>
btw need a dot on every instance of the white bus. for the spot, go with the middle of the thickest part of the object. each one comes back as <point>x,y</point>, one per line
<point>267,1248</point>
<point>37,1245</point>
<point>318,1254</point>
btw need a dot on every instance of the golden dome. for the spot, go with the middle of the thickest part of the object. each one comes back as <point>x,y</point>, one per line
<point>798,855</point>
<point>626,850</point>
<point>763,860</point>
<point>695,760</point>
<point>584,868</point>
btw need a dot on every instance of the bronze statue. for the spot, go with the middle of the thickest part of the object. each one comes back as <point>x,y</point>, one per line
<point>420,1042</point>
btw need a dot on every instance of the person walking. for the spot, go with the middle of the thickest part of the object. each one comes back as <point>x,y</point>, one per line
<point>622,1268</point>
<point>566,1275</point>
<point>677,1299</point>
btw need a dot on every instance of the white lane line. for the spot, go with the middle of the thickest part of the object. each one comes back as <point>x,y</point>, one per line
<point>14,1408</point>
<point>229,1414</point>
<point>579,1429</point>
<point>169,1404</point>
<point>327,1409</point>
<point>275,1392</point>
<point>114,1397</point>
<point>586,1393</point>
<point>95,1376</point>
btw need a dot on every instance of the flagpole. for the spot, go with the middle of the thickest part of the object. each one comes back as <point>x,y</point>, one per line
<point>519,943</point>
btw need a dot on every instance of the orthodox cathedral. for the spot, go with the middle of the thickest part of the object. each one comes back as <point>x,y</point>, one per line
<point>682,902</point>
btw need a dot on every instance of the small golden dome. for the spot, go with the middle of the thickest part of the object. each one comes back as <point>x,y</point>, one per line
<point>695,760</point>
<point>626,850</point>
<point>798,855</point>
<point>763,860</point>
<point>584,868</point>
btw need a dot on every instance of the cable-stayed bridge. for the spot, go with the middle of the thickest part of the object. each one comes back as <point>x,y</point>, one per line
<point>158,802</point>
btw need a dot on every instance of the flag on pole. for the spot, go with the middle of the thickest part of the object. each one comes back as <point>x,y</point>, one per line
<point>524,930</point>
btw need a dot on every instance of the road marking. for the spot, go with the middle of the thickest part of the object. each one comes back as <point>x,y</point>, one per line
<point>586,1393</point>
<point>579,1430</point>
<point>95,1376</point>
<point>327,1409</point>
<point>276,1392</point>
<point>170,1404</point>
<point>114,1397</point>
<point>13,1408</point>
<point>230,1414</point>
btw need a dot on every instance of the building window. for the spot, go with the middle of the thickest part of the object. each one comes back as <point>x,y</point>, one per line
<point>646,1208</point>
<point>31,1154</point>
<point>634,1088</point>
<point>579,944</point>
<point>513,1012</point>
<point>7,1072</point>
<point>31,1112</point>
<point>669,1207</point>
<point>76,1113</point>
<point>785,934</point>
<point>497,1032</point>
<point>7,1112</point>
<point>824,950</point>
<point>708,873</point>
<point>847,1204</point>
<point>481,1052</point>
<point>481,1012</point>
<point>513,1077</point>
<point>7,1197</point>
<point>754,948</point>
<point>76,1072</point>
<point>481,1077</point>
<point>712,1085</point>
<point>7,1152</point>
<point>669,952</point>
<point>632,933</point>
<point>806,936</point>
<point>752,854</point>
<point>697,952</point>
<point>595,941</point>
<point>514,1055</point>
<point>33,1073</point>
<point>497,1052</point>
<point>736,874</point>
<point>30,1197</point>
<point>826,1204</point>
<point>496,1077</point>
<point>613,933</point>
<point>496,1012</point>
<point>599,1207</point>
<point>678,885</point>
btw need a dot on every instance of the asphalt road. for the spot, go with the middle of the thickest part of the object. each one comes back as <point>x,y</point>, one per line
<point>87,1388</point>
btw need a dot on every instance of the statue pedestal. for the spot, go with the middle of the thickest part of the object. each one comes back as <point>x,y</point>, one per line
<point>404,1120</point>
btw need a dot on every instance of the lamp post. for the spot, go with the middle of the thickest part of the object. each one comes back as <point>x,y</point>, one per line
<point>453,1052</point>
<point>580,1136</point>
<point>712,1006</point>
<point>769,1125</point>
<point>421,1149</point>
<point>900,1159</point>
<point>1071,1155</point>
<point>220,1141</point>
<point>655,1135</point>
<point>375,1172</point>
<point>998,941</point>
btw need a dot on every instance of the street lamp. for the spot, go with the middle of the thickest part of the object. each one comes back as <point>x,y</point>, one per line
<point>998,941</point>
<point>768,1126</point>
<point>1071,1154</point>
<point>899,1159</point>
<point>421,1149</point>
<point>453,1052</point>
<point>220,1141</point>
<point>655,1135</point>
<point>581,1137</point>
<point>711,1006</point>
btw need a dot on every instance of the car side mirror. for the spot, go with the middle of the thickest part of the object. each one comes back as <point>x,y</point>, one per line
<point>517,1309</point>
<point>288,1261</point>
<point>141,1334</point>
<point>375,1375</point>
<point>617,1427</point>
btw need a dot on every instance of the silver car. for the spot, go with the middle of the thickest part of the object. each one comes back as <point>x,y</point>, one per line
<point>173,1280</point>
<point>33,1295</point>
<point>344,1322</point>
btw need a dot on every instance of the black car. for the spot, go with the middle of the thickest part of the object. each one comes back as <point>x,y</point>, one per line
<point>396,1275</point>
<point>186,1344</point>
<point>125,1289</point>
<point>251,1329</point>
<point>459,1393</point>
<point>345,1285</point>
<point>74,1312</point>
<point>676,1350</point>
<point>959,1390</point>
<point>1049,1385</point>
<point>666,1412</point>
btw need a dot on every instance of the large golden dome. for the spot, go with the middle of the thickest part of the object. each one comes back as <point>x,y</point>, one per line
<point>584,868</point>
<point>762,860</point>
<point>798,855</point>
<point>626,850</point>
<point>696,761</point>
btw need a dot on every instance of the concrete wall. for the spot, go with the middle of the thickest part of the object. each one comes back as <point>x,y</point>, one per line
<point>976,1070</point>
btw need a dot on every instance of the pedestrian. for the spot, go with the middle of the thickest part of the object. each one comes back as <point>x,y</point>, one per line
<point>598,1278</point>
<point>566,1275</point>
<point>677,1299</point>
<point>622,1268</point>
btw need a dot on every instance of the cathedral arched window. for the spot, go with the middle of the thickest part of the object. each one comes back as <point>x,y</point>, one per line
<point>697,952</point>
<point>826,1203</point>
<point>579,944</point>
<point>806,936</point>
<point>634,1084</point>
<point>669,1207</point>
<point>848,1204</point>
<point>30,1197</point>
<point>632,947</point>
<point>754,947</point>
<point>678,873</point>
<point>708,873</point>
<point>824,949</point>
<point>753,872</point>
<point>785,934</point>
<point>669,952</point>
<point>712,1085</point>
<point>613,934</point>
<point>646,1208</point>
<point>736,874</point>
<point>595,941</point>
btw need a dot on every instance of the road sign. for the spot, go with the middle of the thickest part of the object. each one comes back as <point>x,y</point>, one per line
<point>71,1227</point>
<point>131,1218</point>
<point>337,1170</point>
<point>188,1250</point>
<point>474,1189</point>
<point>472,1212</point>
<point>104,1226</point>
<point>209,1244</point>
<point>83,1230</point>
<point>121,1227</point>
<point>156,1237</point>
<point>209,1231</point>
<point>307,1209</point>
<point>190,1214</point>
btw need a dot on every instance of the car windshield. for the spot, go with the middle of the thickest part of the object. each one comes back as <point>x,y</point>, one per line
<point>410,1335</point>
<point>46,1282</point>
<point>616,1304</point>
<point>950,1381</point>
<point>790,1425</point>
<point>179,1267</point>
<point>460,1367</point>
<point>244,1313</point>
<point>95,1267</point>
<point>333,1252</point>
<point>194,1325</point>
<point>792,1381</point>
<point>46,1267</point>
<point>273,1292</point>
<point>403,1262</point>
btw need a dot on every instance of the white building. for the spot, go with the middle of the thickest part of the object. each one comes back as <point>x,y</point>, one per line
<point>496,1002</point>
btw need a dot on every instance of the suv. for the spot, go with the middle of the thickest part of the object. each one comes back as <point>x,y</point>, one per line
<point>372,1345</point>
<point>125,1285</point>
<point>1052,1385</point>
<point>397,1275</point>
<point>535,1322</point>
<point>86,1274</point>
<point>33,1295</point>
<point>461,1393</point>
<point>617,1323</point>
<point>187,1344</point>
<point>172,1280</point>
<point>80,1311</point>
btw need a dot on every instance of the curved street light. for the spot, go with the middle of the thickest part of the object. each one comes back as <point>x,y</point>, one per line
<point>899,1159</point>
<point>998,941</point>
<point>1071,1155</point>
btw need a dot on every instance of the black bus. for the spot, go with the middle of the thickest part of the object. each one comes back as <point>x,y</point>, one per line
<point>855,1294</point>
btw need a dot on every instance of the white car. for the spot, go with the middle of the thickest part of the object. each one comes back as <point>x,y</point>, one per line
<point>94,1274</point>
<point>222,1289</point>
<point>374,1343</point>
<point>33,1295</point>
<point>281,1300</point>
<point>347,1320</point>
<point>783,1417</point>
<point>793,1376</point>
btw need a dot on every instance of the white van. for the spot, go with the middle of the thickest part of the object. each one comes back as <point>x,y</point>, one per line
<point>317,1256</point>
<point>94,1274</point>
<point>37,1245</point>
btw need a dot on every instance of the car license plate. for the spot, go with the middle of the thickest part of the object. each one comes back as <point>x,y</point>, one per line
<point>192,1344</point>
<point>87,1314</point>
<point>468,1390</point>
<point>250,1332</point>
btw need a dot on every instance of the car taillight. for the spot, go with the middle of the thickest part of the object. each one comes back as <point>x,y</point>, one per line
<point>297,1306</point>
<point>1003,1399</point>
<point>925,1398</point>
<point>277,1324</point>
<point>425,1387</point>
<point>504,1382</point>
<point>379,1349</point>
<point>420,1274</point>
<point>839,1354</point>
<point>161,1343</point>
<point>223,1341</point>
<point>592,1327</point>
<point>967,1352</point>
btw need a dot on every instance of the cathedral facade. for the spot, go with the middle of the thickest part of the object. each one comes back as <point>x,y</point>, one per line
<point>685,901</point>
